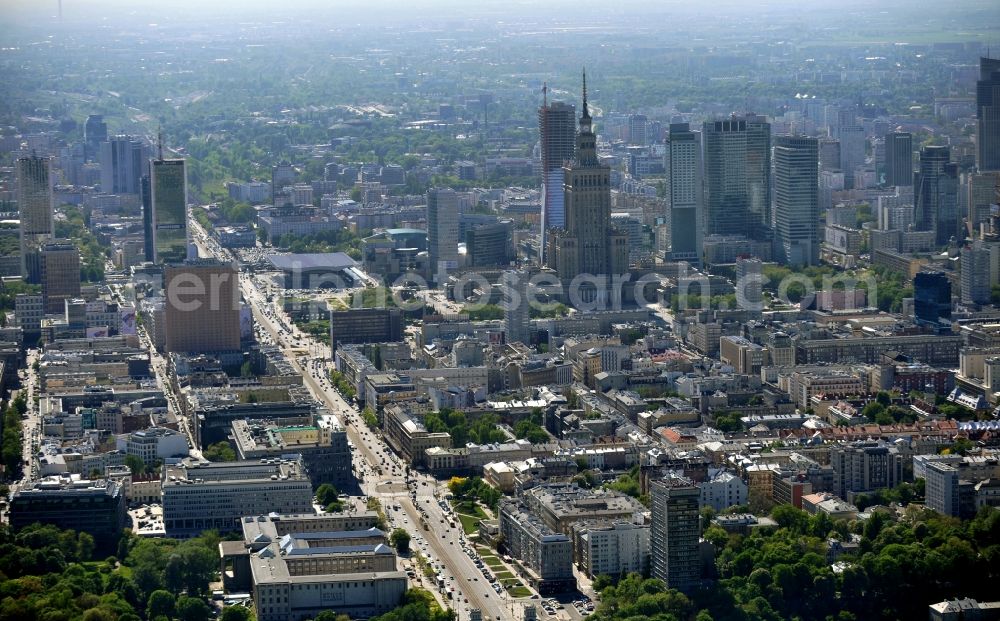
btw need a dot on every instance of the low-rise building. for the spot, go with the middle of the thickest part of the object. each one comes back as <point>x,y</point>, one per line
<point>297,566</point>
<point>546,554</point>
<point>561,505</point>
<point>203,496</point>
<point>70,502</point>
<point>407,435</point>
<point>612,548</point>
<point>155,443</point>
<point>323,445</point>
<point>722,489</point>
<point>964,609</point>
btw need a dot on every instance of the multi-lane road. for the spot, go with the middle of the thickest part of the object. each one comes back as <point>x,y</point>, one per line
<point>440,544</point>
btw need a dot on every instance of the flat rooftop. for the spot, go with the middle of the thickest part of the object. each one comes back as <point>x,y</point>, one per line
<point>322,260</point>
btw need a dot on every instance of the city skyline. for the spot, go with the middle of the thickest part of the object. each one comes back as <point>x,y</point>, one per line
<point>499,312</point>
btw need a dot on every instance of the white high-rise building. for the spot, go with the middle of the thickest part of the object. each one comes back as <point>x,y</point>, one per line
<point>442,232</point>
<point>684,194</point>
<point>517,322</point>
<point>122,165</point>
<point>852,152</point>
<point>975,266</point>
<point>796,199</point>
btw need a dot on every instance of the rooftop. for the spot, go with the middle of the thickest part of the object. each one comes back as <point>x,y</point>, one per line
<point>323,260</point>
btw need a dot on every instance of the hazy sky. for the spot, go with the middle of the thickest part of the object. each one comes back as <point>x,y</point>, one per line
<point>978,18</point>
<point>393,9</point>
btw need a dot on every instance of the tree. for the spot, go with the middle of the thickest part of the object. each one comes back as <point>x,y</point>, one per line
<point>192,609</point>
<point>220,451</point>
<point>135,464</point>
<point>601,582</point>
<point>85,546</point>
<point>161,603</point>
<point>235,613</point>
<point>400,539</point>
<point>326,493</point>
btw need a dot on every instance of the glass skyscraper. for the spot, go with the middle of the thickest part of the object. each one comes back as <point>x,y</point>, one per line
<point>34,203</point>
<point>168,196</point>
<point>988,115</point>
<point>796,199</point>
<point>557,131</point>
<point>683,163</point>
<point>737,156</point>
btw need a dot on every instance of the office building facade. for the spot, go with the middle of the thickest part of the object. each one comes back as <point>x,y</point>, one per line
<point>988,115</point>
<point>931,298</point>
<point>95,507</point>
<point>557,132</point>
<point>547,554</point>
<point>34,203</point>
<point>613,548</point>
<point>365,325</point>
<point>865,468</point>
<point>674,533</point>
<point>684,193</point>
<point>796,199</point>
<point>490,245</point>
<point>60,274</point>
<point>737,169</point>
<point>168,197</point>
<point>204,496</point>
<point>202,307</point>
<point>123,160</point>
<point>898,159</point>
<point>852,152</point>
<point>975,268</point>
<point>936,194</point>
<point>95,131</point>
<point>442,232</point>
<point>516,308</point>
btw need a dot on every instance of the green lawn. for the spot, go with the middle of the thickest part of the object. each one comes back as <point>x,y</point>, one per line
<point>504,575</point>
<point>469,514</point>
<point>469,507</point>
<point>520,591</point>
<point>470,524</point>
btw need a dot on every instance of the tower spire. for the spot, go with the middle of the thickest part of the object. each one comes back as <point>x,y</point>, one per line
<point>545,94</point>
<point>586,111</point>
<point>159,142</point>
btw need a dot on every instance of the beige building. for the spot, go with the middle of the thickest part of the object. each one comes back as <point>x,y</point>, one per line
<point>296,566</point>
<point>202,308</point>
<point>744,356</point>
<point>60,273</point>
<point>408,436</point>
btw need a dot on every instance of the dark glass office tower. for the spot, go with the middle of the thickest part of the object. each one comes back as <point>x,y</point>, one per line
<point>737,158</point>
<point>34,203</point>
<point>168,195</point>
<point>557,133</point>
<point>936,194</point>
<point>931,298</point>
<point>899,159</point>
<point>988,115</point>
